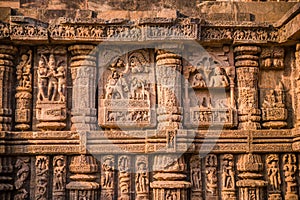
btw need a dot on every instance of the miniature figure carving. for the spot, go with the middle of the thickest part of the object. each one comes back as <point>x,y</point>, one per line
<point>59,174</point>
<point>211,175</point>
<point>108,170</point>
<point>23,71</point>
<point>141,180</point>
<point>228,180</point>
<point>273,172</point>
<point>196,173</point>
<point>51,80</point>
<point>289,169</point>
<point>198,81</point>
<point>219,79</point>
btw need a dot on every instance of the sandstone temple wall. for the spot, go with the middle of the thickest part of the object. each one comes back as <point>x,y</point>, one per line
<point>168,100</point>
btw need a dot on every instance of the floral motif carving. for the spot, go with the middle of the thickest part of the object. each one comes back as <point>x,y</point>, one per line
<point>42,177</point>
<point>23,167</point>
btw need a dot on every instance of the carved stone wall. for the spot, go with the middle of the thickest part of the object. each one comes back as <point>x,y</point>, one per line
<point>189,101</point>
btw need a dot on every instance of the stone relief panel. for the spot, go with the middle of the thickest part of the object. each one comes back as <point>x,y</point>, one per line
<point>51,98</point>
<point>24,92</point>
<point>22,166</point>
<point>209,93</point>
<point>42,177</point>
<point>142,178</point>
<point>59,177</point>
<point>127,92</point>
<point>107,177</point>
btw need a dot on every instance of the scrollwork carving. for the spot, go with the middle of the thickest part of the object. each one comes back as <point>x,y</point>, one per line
<point>23,167</point>
<point>42,176</point>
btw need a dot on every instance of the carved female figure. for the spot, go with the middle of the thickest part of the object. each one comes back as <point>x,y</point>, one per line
<point>61,76</point>
<point>141,178</point>
<point>53,83</point>
<point>59,170</point>
<point>108,174</point>
<point>42,78</point>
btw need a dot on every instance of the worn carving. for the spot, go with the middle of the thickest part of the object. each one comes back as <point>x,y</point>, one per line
<point>272,58</point>
<point>289,169</point>
<point>42,177</point>
<point>107,177</point>
<point>6,184</point>
<point>4,30</point>
<point>127,101</point>
<point>274,113</point>
<point>83,183</point>
<point>59,177</point>
<point>196,177</point>
<point>124,177</point>
<point>250,186</point>
<point>274,178</point>
<point>23,92</point>
<point>228,177</point>
<point>51,96</point>
<point>142,178</point>
<point>23,167</point>
<point>211,178</point>
<point>212,98</point>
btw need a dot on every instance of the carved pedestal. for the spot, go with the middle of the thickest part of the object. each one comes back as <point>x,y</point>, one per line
<point>51,100</point>
<point>83,181</point>
<point>7,54</point>
<point>246,62</point>
<point>169,179</point>
<point>6,187</point>
<point>251,185</point>
<point>83,69</point>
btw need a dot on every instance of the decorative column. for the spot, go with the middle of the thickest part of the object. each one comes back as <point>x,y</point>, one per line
<point>83,69</point>
<point>124,177</point>
<point>247,68</point>
<point>83,183</point>
<point>289,170</point>
<point>251,185</point>
<point>41,177</point>
<point>297,63</point>
<point>7,55</point>
<point>24,92</point>
<point>6,170</point>
<point>169,179</point>
<point>22,180</point>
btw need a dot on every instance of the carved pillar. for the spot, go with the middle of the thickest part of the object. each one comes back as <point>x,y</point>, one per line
<point>6,170</point>
<point>83,183</point>
<point>83,69</point>
<point>59,177</point>
<point>24,92</point>
<point>7,55</point>
<point>168,78</point>
<point>251,185</point>
<point>169,179</point>
<point>289,171</point>
<point>211,177</point>
<point>41,177</point>
<point>247,68</point>
<point>196,178</point>
<point>124,178</point>
<point>21,183</point>
<point>297,62</point>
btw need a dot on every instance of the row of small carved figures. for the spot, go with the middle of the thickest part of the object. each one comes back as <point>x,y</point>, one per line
<point>211,116</point>
<point>135,32</point>
<point>131,116</point>
<point>239,34</point>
